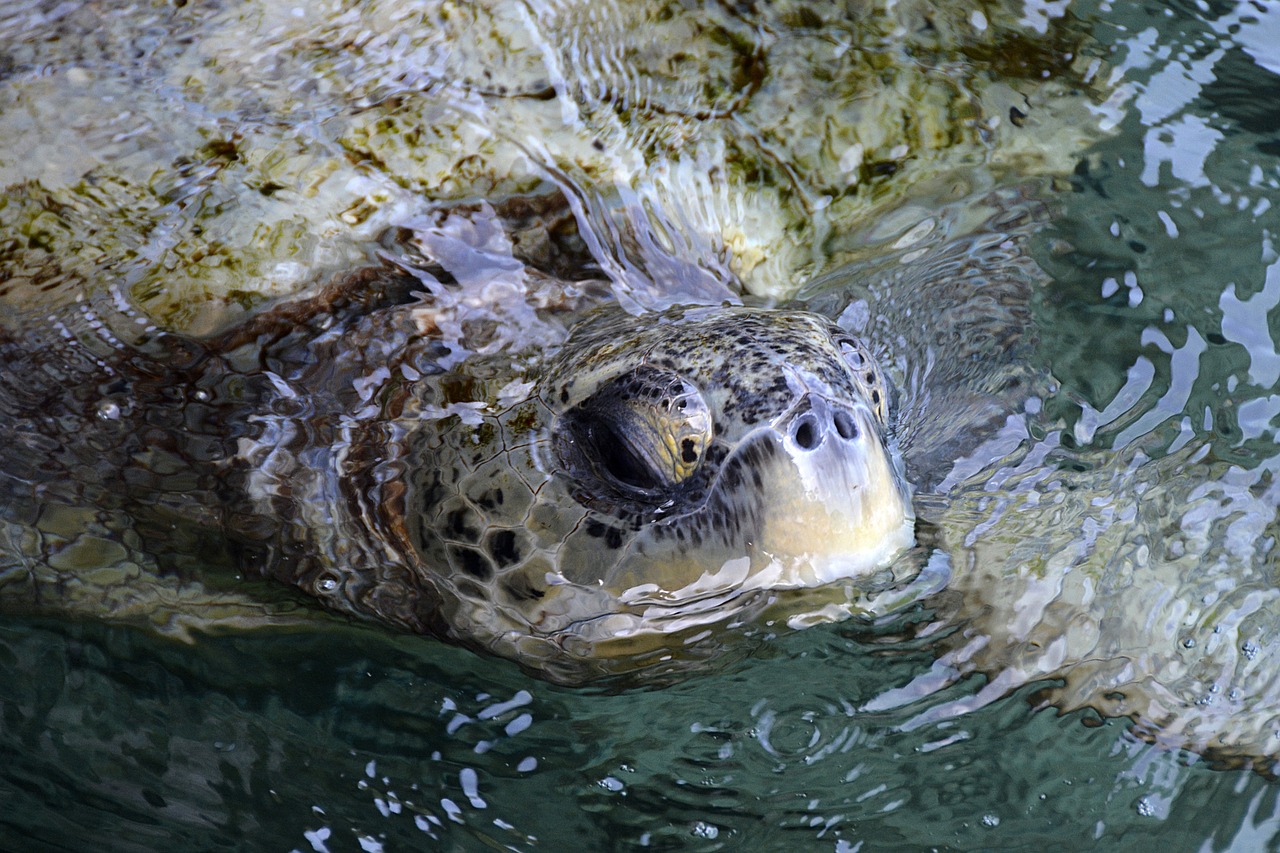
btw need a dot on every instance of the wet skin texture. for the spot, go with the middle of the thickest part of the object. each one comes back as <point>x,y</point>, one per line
<point>657,475</point>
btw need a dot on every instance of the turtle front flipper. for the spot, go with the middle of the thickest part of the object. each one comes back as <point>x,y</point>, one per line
<point>118,465</point>
<point>95,412</point>
<point>151,475</point>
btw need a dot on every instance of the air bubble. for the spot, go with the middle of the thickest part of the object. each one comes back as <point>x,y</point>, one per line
<point>108,411</point>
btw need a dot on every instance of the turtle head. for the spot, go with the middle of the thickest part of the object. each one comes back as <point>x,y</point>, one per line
<point>716,451</point>
<point>668,474</point>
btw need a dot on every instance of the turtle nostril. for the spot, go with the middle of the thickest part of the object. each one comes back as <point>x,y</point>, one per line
<point>806,435</point>
<point>845,425</point>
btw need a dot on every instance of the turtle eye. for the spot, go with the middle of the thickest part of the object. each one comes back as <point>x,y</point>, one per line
<point>615,456</point>
<point>645,431</point>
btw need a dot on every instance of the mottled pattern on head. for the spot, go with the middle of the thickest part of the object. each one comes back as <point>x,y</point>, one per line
<point>742,353</point>
<point>534,527</point>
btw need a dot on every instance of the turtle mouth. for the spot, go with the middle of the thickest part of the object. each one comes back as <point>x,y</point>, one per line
<point>838,505</point>
<point>803,524</point>
<point>815,497</point>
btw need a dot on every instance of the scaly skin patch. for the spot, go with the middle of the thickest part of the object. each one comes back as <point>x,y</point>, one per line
<point>532,527</point>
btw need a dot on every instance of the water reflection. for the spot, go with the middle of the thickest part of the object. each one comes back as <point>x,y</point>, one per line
<point>1140,516</point>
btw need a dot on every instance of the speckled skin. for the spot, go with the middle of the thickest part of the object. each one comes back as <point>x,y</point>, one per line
<point>507,534</point>
<point>366,448</point>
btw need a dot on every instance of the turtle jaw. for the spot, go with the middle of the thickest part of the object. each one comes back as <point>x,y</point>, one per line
<point>814,498</point>
<point>837,506</point>
<point>814,503</point>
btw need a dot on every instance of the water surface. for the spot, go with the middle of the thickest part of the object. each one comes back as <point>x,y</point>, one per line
<point>191,161</point>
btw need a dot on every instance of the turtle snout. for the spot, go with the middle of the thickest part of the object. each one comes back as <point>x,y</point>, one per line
<point>836,505</point>
<point>817,420</point>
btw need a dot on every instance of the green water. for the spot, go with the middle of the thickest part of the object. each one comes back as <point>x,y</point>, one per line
<point>174,152</point>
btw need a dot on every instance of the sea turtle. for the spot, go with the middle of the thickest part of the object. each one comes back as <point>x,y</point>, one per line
<point>243,447</point>
<point>537,472</point>
<point>598,509</point>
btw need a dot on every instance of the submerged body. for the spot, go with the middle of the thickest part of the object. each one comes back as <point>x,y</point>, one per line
<point>660,475</point>
<point>635,498</point>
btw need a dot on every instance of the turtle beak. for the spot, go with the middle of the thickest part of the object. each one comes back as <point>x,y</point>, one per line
<point>813,498</point>
<point>838,505</point>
